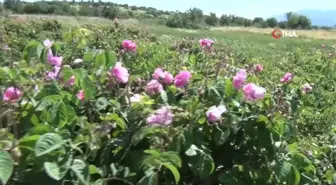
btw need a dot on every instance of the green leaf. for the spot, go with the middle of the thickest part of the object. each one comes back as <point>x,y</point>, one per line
<point>164,96</point>
<point>262,119</point>
<point>221,136</point>
<point>111,59</point>
<point>202,165</point>
<point>81,170</point>
<point>48,143</point>
<point>174,171</point>
<point>67,72</point>
<point>98,182</point>
<point>59,114</point>
<point>151,178</point>
<point>48,101</point>
<point>114,117</point>
<point>171,157</point>
<point>100,60</point>
<point>93,169</point>
<point>33,49</point>
<point>147,131</point>
<point>88,56</point>
<point>89,88</point>
<point>289,174</point>
<point>29,138</point>
<point>57,170</point>
<point>6,166</point>
<point>229,89</point>
<point>329,176</point>
<point>101,103</point>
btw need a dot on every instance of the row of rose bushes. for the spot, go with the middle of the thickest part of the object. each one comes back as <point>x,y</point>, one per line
<point>251,91</point>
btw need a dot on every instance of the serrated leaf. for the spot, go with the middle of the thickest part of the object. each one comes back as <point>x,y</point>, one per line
<point>59,114</point>
<point>164,96</point>
<point>229,89</point>
<point>111,59</point>
<point>151,178</point>
<point>289,174</point>
<point>89,88</point>
<point>6,166</point>
<point>48,143</point>
<point>100,60</point>
<point>221,136</point>
<point>147,131</point>
<point>88,56</point>
<point>33,49</point>
<point>67,72</point>
<point>101,103</point>
<point>57,170</point>
<point>174,171</point>
<point>93,169</point>
<point>81,170</point>
<point>98,182</point>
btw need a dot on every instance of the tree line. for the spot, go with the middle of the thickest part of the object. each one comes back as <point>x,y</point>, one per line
<point>193,18</point>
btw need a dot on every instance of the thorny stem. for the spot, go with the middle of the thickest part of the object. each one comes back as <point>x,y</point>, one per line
<point>205,86</point>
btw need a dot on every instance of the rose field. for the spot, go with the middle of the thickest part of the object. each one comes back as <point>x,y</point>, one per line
<point>118,104</point>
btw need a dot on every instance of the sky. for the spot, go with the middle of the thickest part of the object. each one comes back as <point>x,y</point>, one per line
<point>243,8</point>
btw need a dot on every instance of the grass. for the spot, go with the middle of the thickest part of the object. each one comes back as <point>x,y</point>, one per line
<point>253,41</point>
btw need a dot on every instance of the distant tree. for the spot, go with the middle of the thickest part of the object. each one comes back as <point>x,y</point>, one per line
<point>247,22</point>
<point>85,10</point>
<point>304,22</point>
<point>283,24</point>
<point>293,20</point>
<point>109,12</point>
<point>271,22</point>
<point>211,19</point>
<point>224,20</point>
<point>258,20</point>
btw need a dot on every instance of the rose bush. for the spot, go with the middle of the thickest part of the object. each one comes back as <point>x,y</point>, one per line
<point>148,114</point>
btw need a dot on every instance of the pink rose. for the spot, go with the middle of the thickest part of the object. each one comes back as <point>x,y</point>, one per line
<point>54,60</point>
<point>80,95</point>
<point>206,43</point>
<point>239,79</point>
<point>52,75</point>
<point>120,73</point>
<point>70,82</point>
<point>253,92</point>
<point>168,78</point>
<point>153,87</point>
<point>258,68</point>
<point>182,79</point>
<point>286,78</point>
<point>162,116</point>
<point>214,113</point>
<point>159,74</point>
<point>129,45</point>
<point>12,94</point>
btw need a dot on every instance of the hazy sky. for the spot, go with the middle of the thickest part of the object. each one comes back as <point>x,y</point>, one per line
<point>244,8</point>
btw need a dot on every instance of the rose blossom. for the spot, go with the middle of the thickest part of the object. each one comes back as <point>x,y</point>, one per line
<point>153,87</point>
<point>12,94</point>
<point>162,116</point>
<point>253,92</point>
<point>214,113</point>
<point>182,79</point>
<point>239,79</point>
